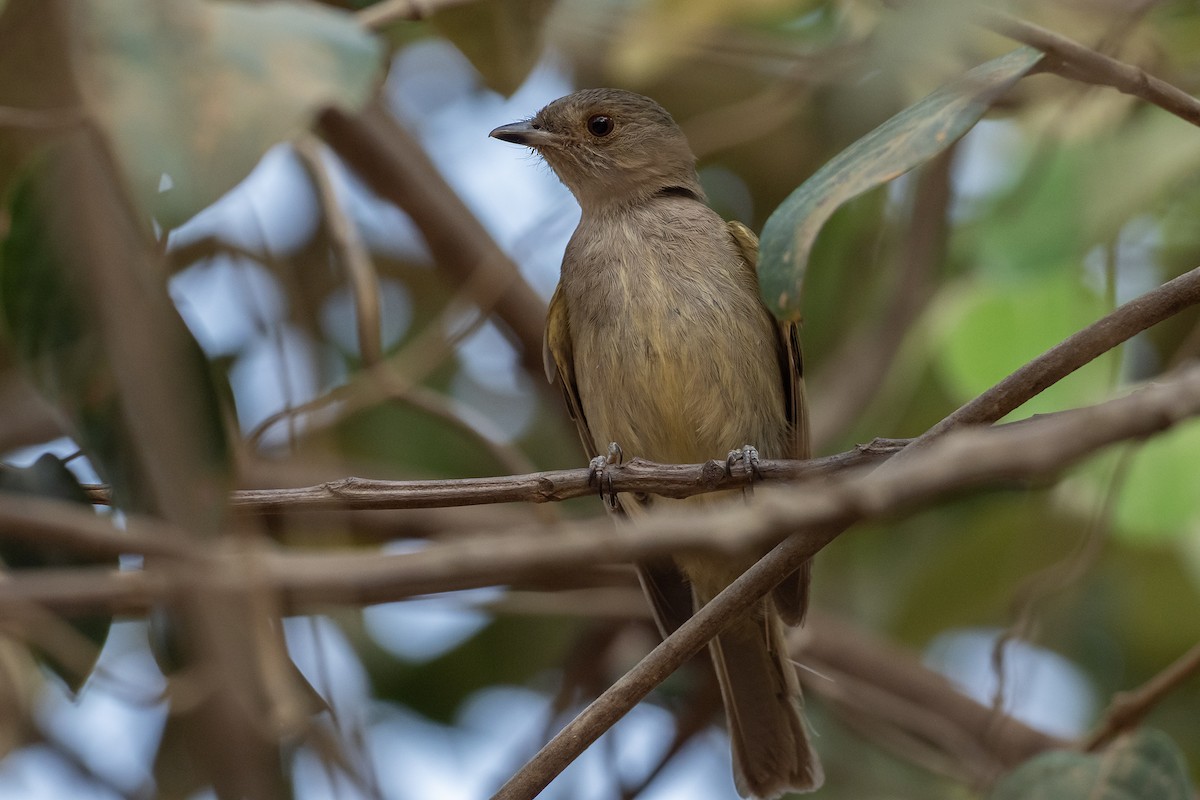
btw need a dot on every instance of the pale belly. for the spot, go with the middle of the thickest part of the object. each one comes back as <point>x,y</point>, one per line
<point>682,387</point>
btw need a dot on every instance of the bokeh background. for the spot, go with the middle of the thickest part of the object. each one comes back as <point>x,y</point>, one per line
<point>1065,201</point>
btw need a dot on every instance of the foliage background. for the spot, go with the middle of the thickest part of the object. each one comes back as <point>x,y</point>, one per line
<point>1066,201</point>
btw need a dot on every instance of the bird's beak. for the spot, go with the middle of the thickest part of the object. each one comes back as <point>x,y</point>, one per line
<point>523,133</point>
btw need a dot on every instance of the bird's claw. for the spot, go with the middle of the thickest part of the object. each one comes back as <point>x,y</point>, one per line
<point>598,474</point>
<point>748,456</point>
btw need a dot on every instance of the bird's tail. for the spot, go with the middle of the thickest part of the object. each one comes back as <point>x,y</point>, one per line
<point>771,751</point>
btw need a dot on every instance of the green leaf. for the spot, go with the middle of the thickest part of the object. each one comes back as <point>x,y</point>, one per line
<point>1158,499</point>
<point>907,140</point>
<point>199,90</point>
<point>985,330</point>
<point>49,477</point>
<point>1146,765</point>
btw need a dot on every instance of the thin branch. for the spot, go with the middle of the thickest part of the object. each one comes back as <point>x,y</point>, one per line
<point>652,670</point>
<point>668,480</point>
<point>1129,708</point>
<point>394,166</point>
<point>71,527</point>
<point>1075,351</point>
<point>1075,61</point>
<point>351,252</point>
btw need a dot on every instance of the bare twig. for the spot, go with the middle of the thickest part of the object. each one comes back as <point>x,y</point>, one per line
<point>1127,709</point>
<point>388,160</point>
<point>351,252</point>
<point>668,480</point>
<point>1072,60</point>
<point>1072,353</point>
<point>681,481</point>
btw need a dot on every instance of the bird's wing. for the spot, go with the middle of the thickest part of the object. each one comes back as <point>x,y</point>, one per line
<point>791,596</point>
<point>791,361</point>
<point>669,595</point>
<point>559,361</point>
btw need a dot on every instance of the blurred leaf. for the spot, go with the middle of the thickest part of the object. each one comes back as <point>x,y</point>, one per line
<point>49,477</point>
<point>502,38</point>
<point>984,331</point>
<point>1168,156</point>
<point>907,140</point>
<point>962,563</point>
<point>1065,204</point>
<point>1158,499</point>
<point>1146,765</point>
<point>42,316</point>
<point>198,90</point>
<point>48,315</point>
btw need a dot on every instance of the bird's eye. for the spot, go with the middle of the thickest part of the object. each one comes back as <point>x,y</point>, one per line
<point>599,125</point>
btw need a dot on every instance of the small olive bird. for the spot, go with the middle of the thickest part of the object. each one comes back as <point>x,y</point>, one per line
<point>661,344</point>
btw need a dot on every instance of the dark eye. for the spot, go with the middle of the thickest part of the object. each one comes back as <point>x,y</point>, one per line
<point>599,125</point>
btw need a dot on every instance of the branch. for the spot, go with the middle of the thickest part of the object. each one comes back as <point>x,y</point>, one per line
<point>351,252</point>
<point>1074,61</point>
<point>1128,708</point>
<point>1119,326</point>
<point>392,164</point>
<point>668,480</point>
<point>968,459</point>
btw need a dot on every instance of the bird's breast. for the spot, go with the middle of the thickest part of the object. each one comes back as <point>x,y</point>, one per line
<point>674,354</point>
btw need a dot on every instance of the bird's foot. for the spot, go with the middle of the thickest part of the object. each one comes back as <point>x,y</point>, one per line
<point>600,477</point>
<point>747,456</point>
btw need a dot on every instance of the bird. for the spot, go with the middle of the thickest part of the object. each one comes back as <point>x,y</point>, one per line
<point>664,350</point>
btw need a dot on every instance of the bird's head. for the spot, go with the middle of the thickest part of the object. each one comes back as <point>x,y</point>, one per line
<point>610,147</point>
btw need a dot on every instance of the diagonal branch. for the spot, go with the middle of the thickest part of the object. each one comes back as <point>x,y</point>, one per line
<point>1075,351</point>
<point>1129,708</point>
<point>388,160</point>
<point>1074,61</point>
